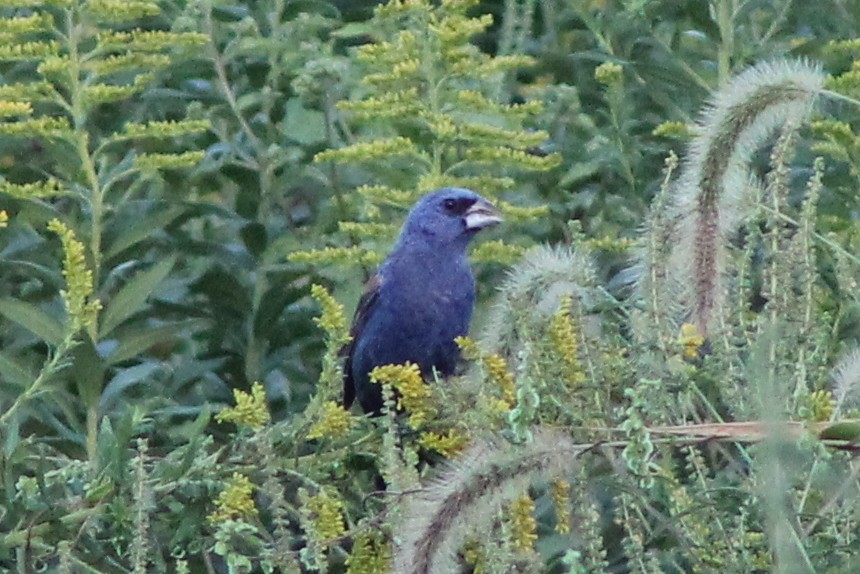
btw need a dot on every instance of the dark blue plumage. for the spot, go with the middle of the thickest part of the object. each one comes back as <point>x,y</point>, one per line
<point>421,297</point>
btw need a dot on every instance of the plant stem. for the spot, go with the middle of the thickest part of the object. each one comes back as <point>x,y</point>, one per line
<point>725,22</point>
<point>49,368</point>
<point>92,431</point>
<point>77,105</point>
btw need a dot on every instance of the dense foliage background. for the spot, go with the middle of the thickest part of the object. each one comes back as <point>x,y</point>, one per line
<point>176,176</point>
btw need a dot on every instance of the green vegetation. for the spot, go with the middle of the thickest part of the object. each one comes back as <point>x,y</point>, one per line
<point>662,376</point>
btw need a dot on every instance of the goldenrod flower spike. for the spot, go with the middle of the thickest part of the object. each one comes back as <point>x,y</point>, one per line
<point>82,310</point>
<point>334,422</point>
<point>250,410</point>
<point>235,501</point>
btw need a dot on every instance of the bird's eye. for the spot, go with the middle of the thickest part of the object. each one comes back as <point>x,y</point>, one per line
<point>450,204</point>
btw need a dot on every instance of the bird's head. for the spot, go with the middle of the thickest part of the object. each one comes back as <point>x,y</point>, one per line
<point>450,215</point>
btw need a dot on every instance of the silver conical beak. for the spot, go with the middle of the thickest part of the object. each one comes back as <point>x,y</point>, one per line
<point>482,214</point>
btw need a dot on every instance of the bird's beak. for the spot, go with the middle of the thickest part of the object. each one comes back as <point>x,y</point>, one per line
<point>482,214</point>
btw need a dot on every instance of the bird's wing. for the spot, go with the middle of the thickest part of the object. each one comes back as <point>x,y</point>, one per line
<point>366,307</point>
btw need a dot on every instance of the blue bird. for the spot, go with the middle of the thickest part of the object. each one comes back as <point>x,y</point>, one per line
<point>421,297</point>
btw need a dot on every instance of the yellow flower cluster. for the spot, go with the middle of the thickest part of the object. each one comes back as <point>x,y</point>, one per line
<point>475,557</point>
<point>837,130</point>
<point>26,24</point>
<point>565,341</point>
<point>757,544</point>
<point>520,213</point>
<point>54,66</point>
<point>691,340</point>
<point>396,103</point>
<point>45,126</point>
<point>514,157</point>
<point>819,405</point>
<point>497,251</point>
<point>523,524</point>
<point>442,125</point>
<point>413,393</point>
<point>497,369</point>
<point>12,109</point>
<point>371,554</point>
<point>169,160</point>
<point>385,194</point>
<point>403,70</point>
<point>250,410</point>
<point>502,64</point>
<point>448,445</point>
<point>488,184</point>
<point>497,372</point>
<point>673,129</point>
<point>329,255</point>
<point>485,134</point>
<point>166,129</point>
<point>28,50</point>
<point>25,92</point>
<point>129,61</point>
<point>334,422</point>
<point>850,46</point>
<point>325,512</point>
<point>610,243</point>
<point>365,229</point>
<point>370,150</point>
<point>122,10</point>
<point>609,73</point>
<point>4,218</point>
<point>835,138</point>
<point>405,44</point>
<point>479,101</point>
<point>560,491</point>
<point>38,189</point>
<point>95,94</point>
<point>468,348</point>
<point>457,29</point>
<point>81,309</point>
<point>847,82</point>
<point>235,502</point>
<point>333,319</point>
<point>149,40</point>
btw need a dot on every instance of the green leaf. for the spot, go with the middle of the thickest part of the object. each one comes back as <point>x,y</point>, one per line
<point>124,379</point>
<point>354,30</point>
<point>13,436</point>
<point>255,238</point>
<point>303,125</point>
<point>88,371</point>
<point>579,172</point>
<point>12,371</point>
<point>138,341</point>
<point>33,319</point>
<point>131,298</point>
<point>845,430</point>
<point>142,229</point>
<point>51,277</point>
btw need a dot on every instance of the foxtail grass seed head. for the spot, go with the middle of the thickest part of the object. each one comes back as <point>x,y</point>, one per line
<point>710,195</point>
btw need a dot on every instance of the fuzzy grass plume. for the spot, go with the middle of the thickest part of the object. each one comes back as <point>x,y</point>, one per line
<point>709,196</point>
<point>466,497</point>
<point>537,285</point>
<point>846,379</point>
